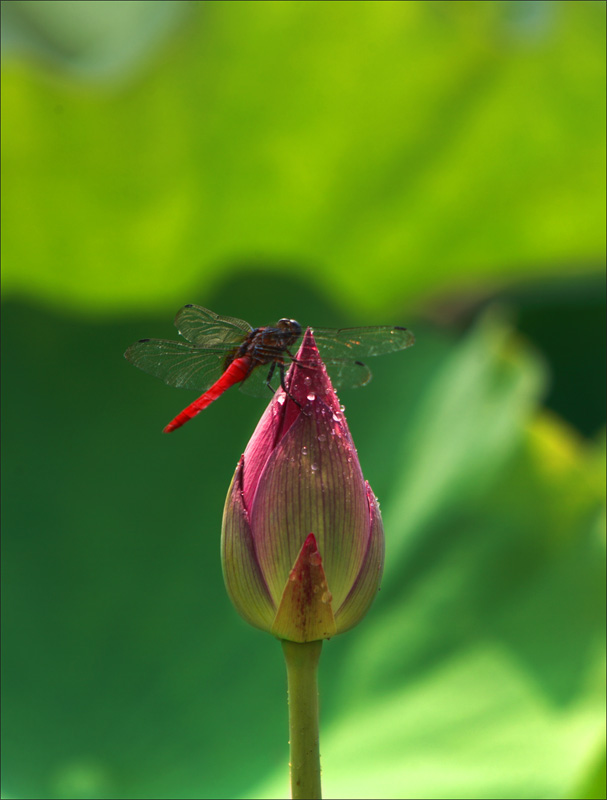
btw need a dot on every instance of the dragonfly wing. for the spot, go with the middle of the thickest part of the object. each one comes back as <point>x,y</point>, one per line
<point>342,349</point>
<point>203,327</point>
<point>362,342</point>
<point>177,364</point>
<point>347,373</point>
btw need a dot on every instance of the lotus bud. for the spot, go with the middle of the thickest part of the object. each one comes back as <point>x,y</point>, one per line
<point>302,538</point>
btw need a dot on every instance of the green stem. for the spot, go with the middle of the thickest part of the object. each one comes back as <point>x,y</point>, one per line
<point>302,671</point>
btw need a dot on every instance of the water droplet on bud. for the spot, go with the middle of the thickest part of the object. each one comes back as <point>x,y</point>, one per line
<point>314,467</point>
<point>304,451</point>
<point>311,396</point>
<point>326,597</point>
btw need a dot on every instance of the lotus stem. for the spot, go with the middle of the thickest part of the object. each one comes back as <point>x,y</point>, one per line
<point>302,678</point>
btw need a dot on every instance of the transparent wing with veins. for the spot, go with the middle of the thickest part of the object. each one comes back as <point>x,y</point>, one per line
<point>207,329</point>
<point>182,365</point>
<point>342,350</point>
<point>198,363</point>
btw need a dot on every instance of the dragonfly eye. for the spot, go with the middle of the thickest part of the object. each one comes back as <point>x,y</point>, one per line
<point>290,325</point>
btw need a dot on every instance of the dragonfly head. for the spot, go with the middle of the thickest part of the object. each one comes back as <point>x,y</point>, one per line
<point>291,327</point>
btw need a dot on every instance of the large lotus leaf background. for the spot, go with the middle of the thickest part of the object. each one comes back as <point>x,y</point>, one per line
<point>440,165</point>
<point>359,141</point>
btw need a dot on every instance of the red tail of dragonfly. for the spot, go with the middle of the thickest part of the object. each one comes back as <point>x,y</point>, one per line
<point>222,351</point>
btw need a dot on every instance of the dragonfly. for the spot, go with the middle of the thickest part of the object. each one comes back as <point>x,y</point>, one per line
<point>219,352</point>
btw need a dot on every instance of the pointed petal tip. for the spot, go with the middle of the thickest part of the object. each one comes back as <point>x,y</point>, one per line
<point>308,338</point>
<point>307,378</point>
<point>305,613</point>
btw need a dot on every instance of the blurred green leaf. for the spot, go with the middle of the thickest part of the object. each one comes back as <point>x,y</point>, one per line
<point>395,149</point>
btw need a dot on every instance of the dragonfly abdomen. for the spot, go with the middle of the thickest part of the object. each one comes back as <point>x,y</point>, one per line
<point>237,371</point>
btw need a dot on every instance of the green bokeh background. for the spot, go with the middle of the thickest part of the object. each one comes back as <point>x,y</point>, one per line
<point>439,165</point>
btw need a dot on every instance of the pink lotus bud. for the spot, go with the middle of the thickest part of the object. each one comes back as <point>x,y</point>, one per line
<point>302,538</point>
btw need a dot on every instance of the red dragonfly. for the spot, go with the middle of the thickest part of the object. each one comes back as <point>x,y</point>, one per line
<point>221,351</point>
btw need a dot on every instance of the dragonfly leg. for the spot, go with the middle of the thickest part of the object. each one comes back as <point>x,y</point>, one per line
<point>269,378</point>
<point>297,361</point>
<point>281,370</point>
<point>293,359</point>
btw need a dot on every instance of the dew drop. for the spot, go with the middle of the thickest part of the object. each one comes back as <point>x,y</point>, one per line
<point>281,399</point>
<point>314,467</point>
<point>315,559</point>
<point>326,597</point>
<point>322,437</point>
<point>307,380</point>
<point>311,396</point>
<point>304,451</point>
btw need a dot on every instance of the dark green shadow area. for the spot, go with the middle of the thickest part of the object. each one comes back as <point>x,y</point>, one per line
<point>564,318</point>
<point>121,651</point>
